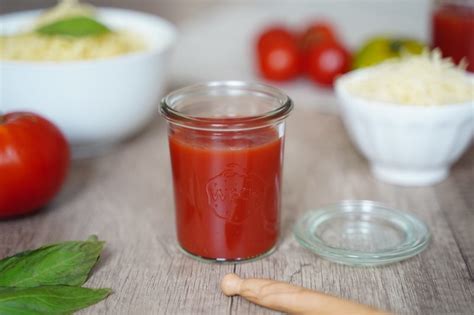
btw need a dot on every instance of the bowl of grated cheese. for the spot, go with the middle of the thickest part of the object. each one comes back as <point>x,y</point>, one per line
<point>98,90</point>
<point>412,118</point>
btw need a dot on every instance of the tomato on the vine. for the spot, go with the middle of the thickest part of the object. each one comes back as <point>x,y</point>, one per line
<point>34,159</point>
<point>282,55</point>
<point>326,61</point>
<point>278,54</point>
<point>316,34</point>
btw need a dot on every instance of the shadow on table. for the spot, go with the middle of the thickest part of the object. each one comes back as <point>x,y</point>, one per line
<point>81,173</point>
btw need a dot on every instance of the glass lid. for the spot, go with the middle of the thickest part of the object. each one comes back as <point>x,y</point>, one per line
<point>362,233</point>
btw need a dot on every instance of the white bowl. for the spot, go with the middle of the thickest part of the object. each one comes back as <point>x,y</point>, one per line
<point>96,103</point>
<point>406,144</point>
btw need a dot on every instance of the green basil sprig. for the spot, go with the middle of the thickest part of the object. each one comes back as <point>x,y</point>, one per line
<point>77,26</point>
<point>67,263</point>
<point>50,300</point>
<point>48,280</point>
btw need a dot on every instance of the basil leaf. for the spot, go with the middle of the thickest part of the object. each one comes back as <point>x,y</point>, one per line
<point>77,26</point>
<point>51,300</point>
<point>67,263</point>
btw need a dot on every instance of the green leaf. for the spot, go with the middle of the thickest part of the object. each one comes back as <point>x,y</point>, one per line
<point>67,263</point>
<point>77,26</point>
<point>51,300</point>
<point>93,238</point>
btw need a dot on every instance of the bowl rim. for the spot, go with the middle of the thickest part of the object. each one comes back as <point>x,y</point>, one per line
<point>152,50</point>
<point>342,92</point>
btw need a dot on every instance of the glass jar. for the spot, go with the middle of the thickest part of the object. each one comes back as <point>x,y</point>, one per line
<point>453,30</point>
<point>226,143</point>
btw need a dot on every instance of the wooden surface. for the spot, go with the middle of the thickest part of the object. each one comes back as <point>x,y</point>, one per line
<point>126,198</point>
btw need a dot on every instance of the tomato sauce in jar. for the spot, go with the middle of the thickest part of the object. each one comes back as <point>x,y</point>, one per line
<point>227,170</point>
<point>227,194</point>
<point>453,31</point>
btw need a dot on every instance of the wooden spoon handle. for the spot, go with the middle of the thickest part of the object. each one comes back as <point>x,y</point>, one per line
<point>284,297</point>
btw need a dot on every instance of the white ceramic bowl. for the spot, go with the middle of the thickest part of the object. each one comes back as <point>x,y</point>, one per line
<point>406,144</point>
<point>96,103</point>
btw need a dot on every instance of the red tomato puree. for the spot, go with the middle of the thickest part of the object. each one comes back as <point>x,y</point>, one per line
<point>227,191</point>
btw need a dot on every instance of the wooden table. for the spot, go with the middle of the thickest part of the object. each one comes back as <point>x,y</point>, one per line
<point>126,198</point>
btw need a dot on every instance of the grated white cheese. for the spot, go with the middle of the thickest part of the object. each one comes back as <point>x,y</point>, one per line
<point>426,80</point>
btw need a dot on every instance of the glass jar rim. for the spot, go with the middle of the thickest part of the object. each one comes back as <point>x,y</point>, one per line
<point>226,123</point>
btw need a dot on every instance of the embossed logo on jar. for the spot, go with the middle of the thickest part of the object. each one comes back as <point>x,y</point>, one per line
<point>234,192</point>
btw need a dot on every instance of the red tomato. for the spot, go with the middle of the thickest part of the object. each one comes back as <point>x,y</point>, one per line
<point>34,159</point>
<point>325,62</point>
<point>317,34</point>
<point>278,54</point>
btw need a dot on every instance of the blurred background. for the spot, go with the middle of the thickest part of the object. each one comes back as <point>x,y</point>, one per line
<point>216,37</point>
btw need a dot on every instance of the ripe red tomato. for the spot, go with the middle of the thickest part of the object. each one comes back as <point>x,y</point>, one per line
<point>316,34</point>
<point>325,62</point>
<point>34,159</point>
<point>278,54</point>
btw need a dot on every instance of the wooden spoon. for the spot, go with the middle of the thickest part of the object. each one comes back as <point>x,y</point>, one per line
<point>284,297</point>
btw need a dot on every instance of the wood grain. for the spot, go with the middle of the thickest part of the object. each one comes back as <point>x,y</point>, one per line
<point>125,197</point>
